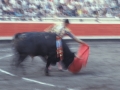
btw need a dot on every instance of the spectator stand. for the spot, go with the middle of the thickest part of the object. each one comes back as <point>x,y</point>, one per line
<point>32,10</point>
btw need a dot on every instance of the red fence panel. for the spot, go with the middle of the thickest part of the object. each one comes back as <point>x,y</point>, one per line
<point>9,29</point>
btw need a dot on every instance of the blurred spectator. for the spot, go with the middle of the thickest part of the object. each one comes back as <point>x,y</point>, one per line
<point>71,8</point>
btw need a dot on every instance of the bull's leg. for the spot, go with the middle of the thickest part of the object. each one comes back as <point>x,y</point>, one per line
<point>13,62</point>
<point>20,59</point>
<point>47,68</point>
<point>49,59</point>
<point>18,62</point>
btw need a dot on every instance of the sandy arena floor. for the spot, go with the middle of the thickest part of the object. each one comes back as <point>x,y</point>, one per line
<point>102,71</point>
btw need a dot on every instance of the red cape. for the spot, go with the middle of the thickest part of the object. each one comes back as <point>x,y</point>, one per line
<point>80,60</point>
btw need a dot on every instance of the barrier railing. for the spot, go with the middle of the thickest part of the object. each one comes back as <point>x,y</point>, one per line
<point>52,19</point>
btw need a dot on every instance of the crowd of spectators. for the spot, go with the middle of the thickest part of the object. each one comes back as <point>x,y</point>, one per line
<point>33,9</point>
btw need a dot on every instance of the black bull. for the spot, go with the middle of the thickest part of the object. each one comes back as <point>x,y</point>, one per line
<point>41,44</point>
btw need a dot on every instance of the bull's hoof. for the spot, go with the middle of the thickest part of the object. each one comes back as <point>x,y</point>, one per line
<point>47,74</point>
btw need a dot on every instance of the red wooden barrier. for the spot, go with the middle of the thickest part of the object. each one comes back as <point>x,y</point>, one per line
<point>9,29</point>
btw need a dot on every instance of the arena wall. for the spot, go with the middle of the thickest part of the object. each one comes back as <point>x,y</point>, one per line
<point>8,29</point>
